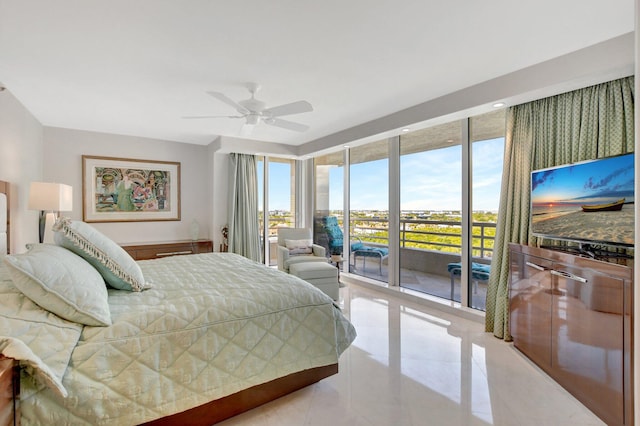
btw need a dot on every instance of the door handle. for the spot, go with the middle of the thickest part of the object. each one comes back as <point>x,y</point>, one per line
<point>568,275</point>
<point>534,266</point>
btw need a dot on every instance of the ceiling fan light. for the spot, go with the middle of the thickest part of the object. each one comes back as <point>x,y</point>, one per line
<point>253,119</point>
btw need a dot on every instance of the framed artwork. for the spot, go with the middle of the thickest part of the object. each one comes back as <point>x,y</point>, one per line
<point>128,190</point>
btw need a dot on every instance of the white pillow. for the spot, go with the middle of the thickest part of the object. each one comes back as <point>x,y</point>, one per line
<point>297,247</point>
<point>62,283</point>
<point>115,265</point>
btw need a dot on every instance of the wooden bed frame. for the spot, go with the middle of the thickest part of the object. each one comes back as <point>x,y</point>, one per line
<point>206,414</point>
<point>9,391</point>
<point>245,400</point>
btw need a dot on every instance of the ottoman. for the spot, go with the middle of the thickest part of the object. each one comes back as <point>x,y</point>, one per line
<point>322,275</point>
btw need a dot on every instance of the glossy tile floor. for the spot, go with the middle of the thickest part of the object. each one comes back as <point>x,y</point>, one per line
<point>411,365</point>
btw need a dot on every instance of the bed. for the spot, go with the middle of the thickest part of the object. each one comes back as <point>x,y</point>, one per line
<point>214,336</point>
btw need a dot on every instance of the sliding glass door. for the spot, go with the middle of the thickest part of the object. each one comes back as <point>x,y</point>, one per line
<point>279,192</point>
<point>369,209</point>
<point>431,209</point>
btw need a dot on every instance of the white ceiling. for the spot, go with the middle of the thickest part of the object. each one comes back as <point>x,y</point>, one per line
<point>137,67</point>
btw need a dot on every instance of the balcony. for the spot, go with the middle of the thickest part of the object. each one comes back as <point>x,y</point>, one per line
<point>427,247</point>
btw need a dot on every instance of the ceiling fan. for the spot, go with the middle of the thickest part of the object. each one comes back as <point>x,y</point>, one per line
<point>254,111</point>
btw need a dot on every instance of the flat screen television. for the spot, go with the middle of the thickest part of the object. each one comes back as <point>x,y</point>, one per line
<point>588,202</point>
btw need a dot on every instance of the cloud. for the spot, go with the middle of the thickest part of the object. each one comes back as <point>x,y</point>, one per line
<point>594,185</point>
<point>540,178</point>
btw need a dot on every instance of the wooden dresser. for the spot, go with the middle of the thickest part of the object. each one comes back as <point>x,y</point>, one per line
<point>572,316</point>
<point>144,251</point>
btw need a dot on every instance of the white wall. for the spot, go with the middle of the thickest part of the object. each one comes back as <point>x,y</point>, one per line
<point>63,150</point>
<point>21,140</point>
<point>220,170</point>
<point>25,144</point>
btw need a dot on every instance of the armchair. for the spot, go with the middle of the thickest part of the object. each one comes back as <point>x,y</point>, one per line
<point>295,245</point>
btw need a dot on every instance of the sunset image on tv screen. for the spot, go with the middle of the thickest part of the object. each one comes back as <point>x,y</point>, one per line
<point>590,201</point>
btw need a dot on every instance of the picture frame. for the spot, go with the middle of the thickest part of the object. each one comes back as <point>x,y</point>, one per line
<point>129,190</point>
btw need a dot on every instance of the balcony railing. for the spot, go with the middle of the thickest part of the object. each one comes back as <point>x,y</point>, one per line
<point>427,234</point>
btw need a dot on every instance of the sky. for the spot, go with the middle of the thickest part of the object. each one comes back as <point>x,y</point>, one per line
<point>596,181</point>
<point>279,185</point>
<point>429,180</point>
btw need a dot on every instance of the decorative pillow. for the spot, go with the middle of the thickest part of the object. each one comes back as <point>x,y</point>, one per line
<point>62,283</point>
<point>115,265</point>
<point>298,247</point>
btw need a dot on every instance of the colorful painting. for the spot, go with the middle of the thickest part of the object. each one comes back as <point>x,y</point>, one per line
<point>127,190</point>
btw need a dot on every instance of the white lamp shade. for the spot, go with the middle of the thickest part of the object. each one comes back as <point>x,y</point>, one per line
<point>50,196</point>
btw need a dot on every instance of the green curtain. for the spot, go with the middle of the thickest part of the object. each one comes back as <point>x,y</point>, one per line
<point>244,225</point>
<point>585,124</point>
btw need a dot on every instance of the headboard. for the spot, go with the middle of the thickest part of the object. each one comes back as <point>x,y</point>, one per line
<point>4,218</point>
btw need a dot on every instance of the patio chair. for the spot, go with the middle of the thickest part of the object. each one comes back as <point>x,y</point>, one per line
<point>334,234</point>
<point>479,272</point>
<point>360,249</point>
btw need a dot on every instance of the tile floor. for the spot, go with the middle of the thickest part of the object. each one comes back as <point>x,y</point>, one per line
<point>411,365</point>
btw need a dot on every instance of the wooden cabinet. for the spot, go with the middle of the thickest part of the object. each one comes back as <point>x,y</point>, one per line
<point>572,316</point>
<point>9,391</point>
<point>145,251</point>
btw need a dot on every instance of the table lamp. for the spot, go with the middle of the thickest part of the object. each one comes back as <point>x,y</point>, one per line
<point>50,199</point>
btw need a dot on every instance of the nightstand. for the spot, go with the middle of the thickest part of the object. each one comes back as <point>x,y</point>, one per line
<point>155,250</point>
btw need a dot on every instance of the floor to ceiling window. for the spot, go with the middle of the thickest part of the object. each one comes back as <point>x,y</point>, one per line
<point>260,172</point>
<point>369,208</point>
<point>431,208</point>
<point>486,133</point>
<point>279,193</point>
<point>329,202</point>
<point>449,184</point>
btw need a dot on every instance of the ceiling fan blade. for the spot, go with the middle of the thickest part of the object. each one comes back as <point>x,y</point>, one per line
<point>286,124</point>
<point>223,98</point>
<point>287,109</point>
<point>191,117</point>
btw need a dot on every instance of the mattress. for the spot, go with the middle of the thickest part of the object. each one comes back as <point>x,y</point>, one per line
<point>212,324</point>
